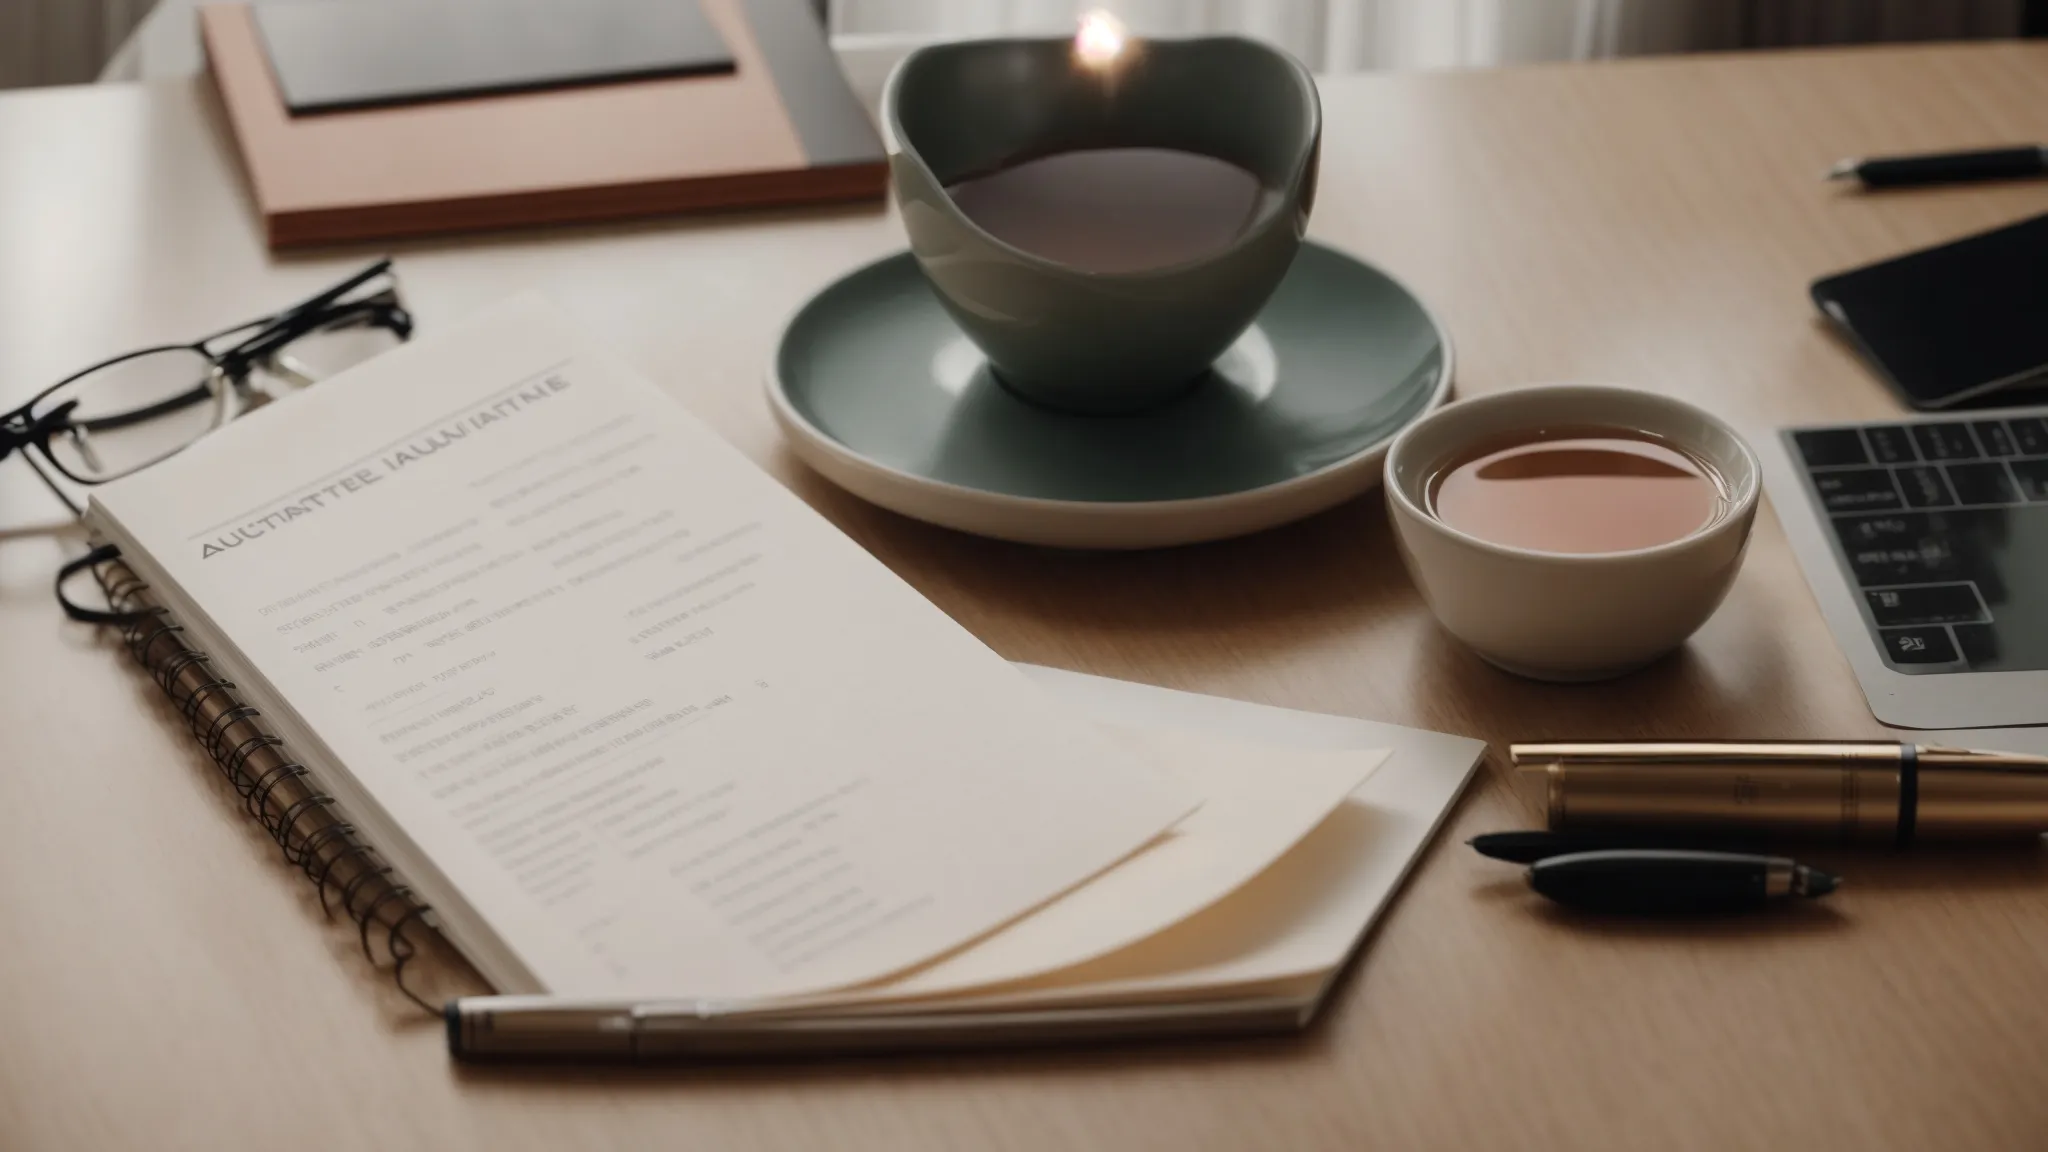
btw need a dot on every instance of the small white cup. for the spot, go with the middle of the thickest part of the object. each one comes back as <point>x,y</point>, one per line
<point>1558,616</point>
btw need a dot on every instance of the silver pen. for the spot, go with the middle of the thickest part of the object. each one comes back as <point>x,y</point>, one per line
<point>549,1028</point>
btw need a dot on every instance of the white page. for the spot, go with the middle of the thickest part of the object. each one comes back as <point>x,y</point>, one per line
<point>642,716</point>
<point>1296,919</point>
<point>1290,929</point>
<point>1257,803</point>
<point>1304,916</point>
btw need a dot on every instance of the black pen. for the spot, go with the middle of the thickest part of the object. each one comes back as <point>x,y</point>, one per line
<point>1653,882</point>
<point>1945,167</point>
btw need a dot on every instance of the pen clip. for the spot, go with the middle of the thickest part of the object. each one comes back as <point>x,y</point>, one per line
<point>701,1009</point>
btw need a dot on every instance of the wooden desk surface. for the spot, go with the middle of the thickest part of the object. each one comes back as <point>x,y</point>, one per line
<point>166,982</point>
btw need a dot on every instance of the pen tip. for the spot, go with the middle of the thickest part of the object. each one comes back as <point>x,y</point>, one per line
<point>1842,170</point>
<point>1813,882</point>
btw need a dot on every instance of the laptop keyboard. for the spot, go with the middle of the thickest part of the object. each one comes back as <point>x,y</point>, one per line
<point>1942,526</point>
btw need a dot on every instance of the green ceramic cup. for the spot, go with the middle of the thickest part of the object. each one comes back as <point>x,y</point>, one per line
<point>1085,341</point>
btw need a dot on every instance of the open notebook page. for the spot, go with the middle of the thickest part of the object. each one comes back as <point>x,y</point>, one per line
<point>1287,932</point>
<point>1257,805</point>
<point>631,716</point>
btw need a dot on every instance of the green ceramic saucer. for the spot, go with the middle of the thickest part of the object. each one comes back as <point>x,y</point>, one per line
<point>879,391</point>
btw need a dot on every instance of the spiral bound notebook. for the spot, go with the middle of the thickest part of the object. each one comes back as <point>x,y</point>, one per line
<point>276,789</point>
<point>589,696</point>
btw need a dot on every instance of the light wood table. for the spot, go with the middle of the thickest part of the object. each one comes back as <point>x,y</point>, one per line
<point>166,982</point>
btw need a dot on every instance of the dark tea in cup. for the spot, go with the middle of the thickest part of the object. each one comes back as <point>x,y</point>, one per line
<point>1114,210</point>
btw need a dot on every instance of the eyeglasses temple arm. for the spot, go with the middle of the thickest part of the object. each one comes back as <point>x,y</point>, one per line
<point>294,314</point>
<point>71,569</point>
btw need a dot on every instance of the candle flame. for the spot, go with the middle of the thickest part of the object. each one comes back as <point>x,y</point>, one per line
<point>1100,40</point>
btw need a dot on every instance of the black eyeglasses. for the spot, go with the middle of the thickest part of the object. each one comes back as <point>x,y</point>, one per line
<point>122,415</point>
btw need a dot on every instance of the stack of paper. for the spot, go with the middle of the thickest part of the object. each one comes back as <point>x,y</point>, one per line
<point>639,723</point>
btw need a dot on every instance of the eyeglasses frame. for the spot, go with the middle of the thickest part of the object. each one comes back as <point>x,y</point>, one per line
<point>264,346</point>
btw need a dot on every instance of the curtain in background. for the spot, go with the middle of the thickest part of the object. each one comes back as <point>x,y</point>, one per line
<point>62,41</point>
<point>1349,35</point>
<point>66,41</point>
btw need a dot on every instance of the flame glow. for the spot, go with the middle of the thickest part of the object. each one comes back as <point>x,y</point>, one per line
<point>1100,40</point>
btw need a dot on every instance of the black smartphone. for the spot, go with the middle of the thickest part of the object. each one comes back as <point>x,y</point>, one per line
<point>1960,324</point>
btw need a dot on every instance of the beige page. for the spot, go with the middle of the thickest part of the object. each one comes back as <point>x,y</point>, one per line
<point>1257,804</point>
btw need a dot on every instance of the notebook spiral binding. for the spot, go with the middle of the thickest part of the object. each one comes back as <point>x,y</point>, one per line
<point>275,788</point>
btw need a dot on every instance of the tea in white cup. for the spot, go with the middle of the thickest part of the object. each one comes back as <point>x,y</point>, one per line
<point>1582,490</point>
<point>1572,532</point>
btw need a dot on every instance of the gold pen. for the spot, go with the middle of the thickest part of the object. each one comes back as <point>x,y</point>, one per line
<point>1870,793</point>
